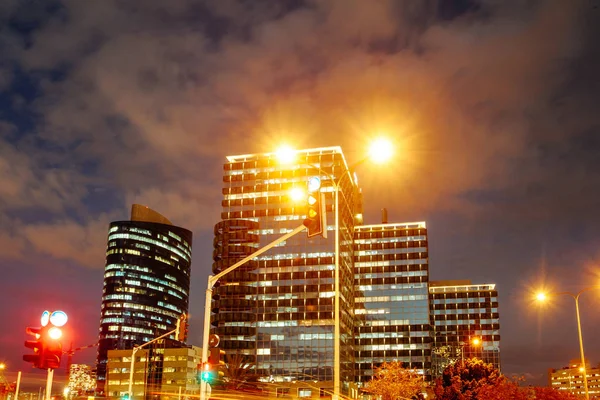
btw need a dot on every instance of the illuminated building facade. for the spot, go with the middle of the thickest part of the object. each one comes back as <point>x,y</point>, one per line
<point>461,312</point>
<point>278,309</point>
<point>146,282</point>
<point>392,300</point>
<point>158,372</point>
<point>570,379</point>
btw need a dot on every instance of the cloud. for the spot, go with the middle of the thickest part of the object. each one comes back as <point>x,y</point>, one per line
<point>491,107</point>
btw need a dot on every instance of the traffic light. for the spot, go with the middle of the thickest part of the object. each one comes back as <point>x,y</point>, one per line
<point>37,345</point>
<point>47,347</point>
<point>315,221</point>
<point>181,331</point>
<point>216,357</point>
<point>207,373</point>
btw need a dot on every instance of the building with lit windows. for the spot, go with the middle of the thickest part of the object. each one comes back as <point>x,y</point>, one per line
<point>461,312</point>
<point>278,309</point>
<point>146,282</point>
<point>158,373</point>
<point>570,379</point>
<point>391,270</point>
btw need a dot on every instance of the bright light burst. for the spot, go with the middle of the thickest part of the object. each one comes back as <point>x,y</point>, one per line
<point>285,154</point>
<point>381,150</point>
<point>297,194</point>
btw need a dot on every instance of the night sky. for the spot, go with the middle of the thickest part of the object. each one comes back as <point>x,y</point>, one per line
<point>493,107</point>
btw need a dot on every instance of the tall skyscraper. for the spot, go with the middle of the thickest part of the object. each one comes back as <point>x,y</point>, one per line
<point>392,304</point>
<point>461,312</point>
<point>146,282</point>
<point>278,309</point>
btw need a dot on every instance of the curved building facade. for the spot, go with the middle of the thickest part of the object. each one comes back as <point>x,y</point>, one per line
<point>146,282</point>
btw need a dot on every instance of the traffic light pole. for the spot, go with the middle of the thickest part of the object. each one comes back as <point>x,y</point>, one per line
<point>212,280</point>
<point>49,384</point>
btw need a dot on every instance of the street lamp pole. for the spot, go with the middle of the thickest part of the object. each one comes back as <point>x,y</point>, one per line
<point>583,364</point>
<point>336,330</point>
<point>575,296</point>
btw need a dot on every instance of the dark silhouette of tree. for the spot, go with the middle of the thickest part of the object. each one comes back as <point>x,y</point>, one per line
<point>238,372</point>
<point>392,382</point>
<point>463,380</point>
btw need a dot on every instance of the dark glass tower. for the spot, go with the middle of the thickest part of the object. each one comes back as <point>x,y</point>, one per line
<point>146,282</point>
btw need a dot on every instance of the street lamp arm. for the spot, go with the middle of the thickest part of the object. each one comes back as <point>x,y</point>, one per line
<point>212,280</point>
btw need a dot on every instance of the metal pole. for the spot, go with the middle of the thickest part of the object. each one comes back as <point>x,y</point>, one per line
<point>206,334</point>
<point>211,283</point>
<point>336,330</point>
<point>18,384</point>
<point>585,382</point>
<point>179,397</point>
<point>49,384</point>
<point>131,366</point>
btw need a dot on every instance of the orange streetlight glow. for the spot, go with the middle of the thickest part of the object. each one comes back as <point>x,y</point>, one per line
<point>541,297</point>
<point>285,154</point>
<point>380,151</point>
<point>476,341</point>
<point>297,194</point>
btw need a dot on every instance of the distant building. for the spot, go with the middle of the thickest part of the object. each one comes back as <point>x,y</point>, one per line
<point>146,282</point>
<point>570,379</point>
<point>461,312</point>
<point>159,372</point>
<point>391,267</point>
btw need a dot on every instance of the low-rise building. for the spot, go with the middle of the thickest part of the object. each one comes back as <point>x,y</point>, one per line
<point>158,373</point>
<point>570,379</point>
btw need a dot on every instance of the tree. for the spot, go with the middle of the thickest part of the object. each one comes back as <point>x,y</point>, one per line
<point>463,381</point>
<point>392,382</point>
<point>237,371</point>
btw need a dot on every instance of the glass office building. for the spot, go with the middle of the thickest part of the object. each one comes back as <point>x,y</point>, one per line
<point>392,302</point>
<point>461,312</point>
<point>146,282</point>
<point>278,309</point>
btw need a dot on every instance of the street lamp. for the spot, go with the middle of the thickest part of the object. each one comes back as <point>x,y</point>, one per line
<point>474,341</point>
<point>542,297</point>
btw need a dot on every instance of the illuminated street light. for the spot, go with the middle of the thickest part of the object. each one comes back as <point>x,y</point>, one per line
<point>297,194</point>
<point>380,151</point>
<point>285,154</point>
<point>541,297</point>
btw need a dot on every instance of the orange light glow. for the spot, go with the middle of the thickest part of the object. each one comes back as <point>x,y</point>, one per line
<point>380,151</point>
<point>476,341</point>
<point>297,194</point>
<point>541,297</point>
<point>285,154</point>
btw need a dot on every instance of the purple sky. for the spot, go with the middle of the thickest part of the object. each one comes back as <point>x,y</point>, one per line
<point>492,105</point>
